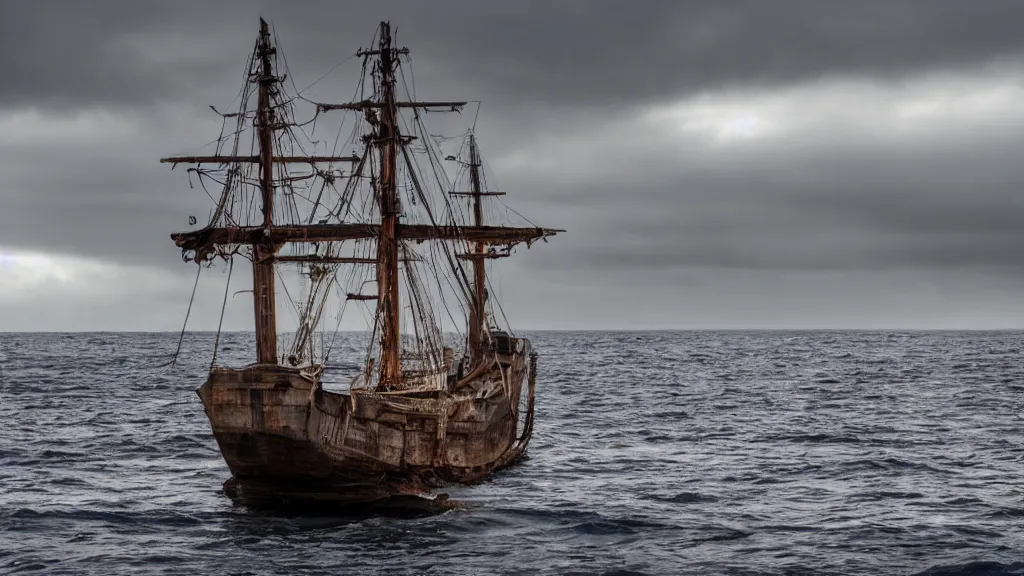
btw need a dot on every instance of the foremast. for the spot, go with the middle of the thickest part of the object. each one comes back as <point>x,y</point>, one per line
<point>263,252</point>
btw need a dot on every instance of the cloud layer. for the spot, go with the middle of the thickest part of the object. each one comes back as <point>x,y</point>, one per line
<point>791,164</point>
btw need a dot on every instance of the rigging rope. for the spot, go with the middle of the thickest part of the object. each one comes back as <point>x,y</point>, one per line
<point>224,305</point>
<point>187,313</point>
<point>240,199</point>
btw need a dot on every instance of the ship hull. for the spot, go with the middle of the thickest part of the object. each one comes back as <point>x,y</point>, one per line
<point>287,440</point>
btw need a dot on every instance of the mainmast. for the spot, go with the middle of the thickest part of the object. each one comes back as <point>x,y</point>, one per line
<point>263,251</point>
<point>478,317</point>
<point>387,139</point>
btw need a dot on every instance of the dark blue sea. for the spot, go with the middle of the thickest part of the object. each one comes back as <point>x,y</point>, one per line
<point>654,453</point>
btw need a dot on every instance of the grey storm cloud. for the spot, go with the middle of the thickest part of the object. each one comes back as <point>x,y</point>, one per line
<point>577,124</point>
<point>583,51</point>
<point>864,206</point>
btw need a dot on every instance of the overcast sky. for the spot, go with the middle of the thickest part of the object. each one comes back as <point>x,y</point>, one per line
<point>733,164</point>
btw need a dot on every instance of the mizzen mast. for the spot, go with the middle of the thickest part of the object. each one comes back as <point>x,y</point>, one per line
<point>264,251</point>
<point>478,316</point>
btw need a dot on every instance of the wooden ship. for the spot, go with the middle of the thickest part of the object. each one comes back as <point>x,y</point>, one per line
<point>417,414</point>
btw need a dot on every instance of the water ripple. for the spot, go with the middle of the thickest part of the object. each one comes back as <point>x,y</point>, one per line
<point>654,453</point>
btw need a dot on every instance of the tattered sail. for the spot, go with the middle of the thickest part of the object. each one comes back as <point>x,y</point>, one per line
<point>381,225</point>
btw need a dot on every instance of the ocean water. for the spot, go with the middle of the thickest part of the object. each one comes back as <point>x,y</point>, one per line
<point>653,453</point>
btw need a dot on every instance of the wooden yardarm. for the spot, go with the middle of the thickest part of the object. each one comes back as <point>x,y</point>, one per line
<point>420,414</point>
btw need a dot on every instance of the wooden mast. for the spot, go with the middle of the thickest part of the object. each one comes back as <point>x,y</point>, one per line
<point>387,244</point>
<point>263,251</point>
<point>478,317</point>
